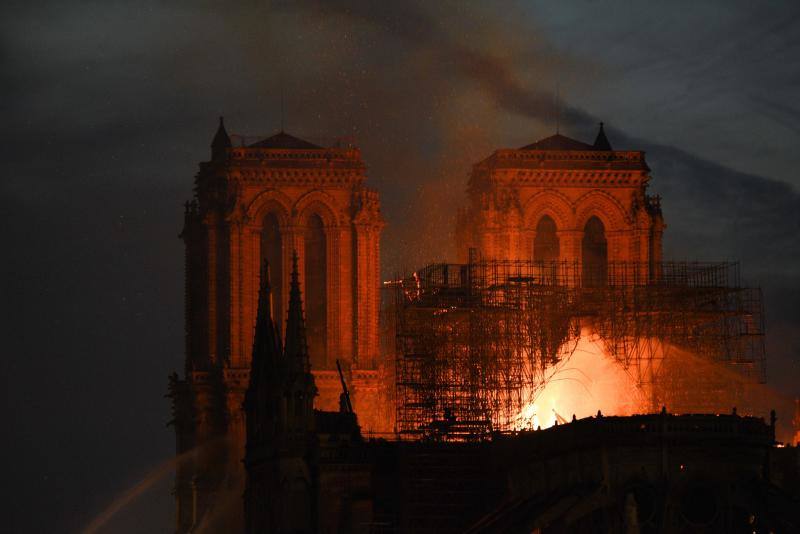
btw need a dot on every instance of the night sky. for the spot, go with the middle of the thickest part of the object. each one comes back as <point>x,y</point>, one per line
<point>109,106</point>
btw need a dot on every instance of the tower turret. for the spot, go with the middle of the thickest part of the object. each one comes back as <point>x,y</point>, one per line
<point>221,142</point>
<point>601,141</point>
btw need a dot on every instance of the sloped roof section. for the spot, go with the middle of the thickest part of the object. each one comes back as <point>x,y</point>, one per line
<point>558,142</point>
<point>284,140</point>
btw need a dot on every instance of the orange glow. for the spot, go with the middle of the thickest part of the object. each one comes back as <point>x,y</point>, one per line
<point>586,380</point>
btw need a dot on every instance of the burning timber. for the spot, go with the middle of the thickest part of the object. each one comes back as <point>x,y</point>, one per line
<point>477,342</point>
<point>483,406</point>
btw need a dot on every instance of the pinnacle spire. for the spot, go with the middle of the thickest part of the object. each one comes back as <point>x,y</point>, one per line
<point>296,349</point>
<point>266,341</point>
<point>601,141</point>
<point>221,142</point>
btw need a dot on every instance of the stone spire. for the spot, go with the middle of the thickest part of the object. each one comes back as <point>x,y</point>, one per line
<point>601,141</point>
<point>296,349</point>
<point>221,141</point>
<point>299,385</point>
<point>266,362</point>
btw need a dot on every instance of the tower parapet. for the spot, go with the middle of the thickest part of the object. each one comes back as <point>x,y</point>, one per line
<point>560,199</point>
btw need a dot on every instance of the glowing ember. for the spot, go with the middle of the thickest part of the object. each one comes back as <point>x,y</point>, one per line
<point>586,381</point>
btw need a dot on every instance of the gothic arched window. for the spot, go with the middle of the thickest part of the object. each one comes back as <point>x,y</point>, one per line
<point>271,251</point>
<point>594,253</point>
<point>316,297</point>
<point>545,245</point>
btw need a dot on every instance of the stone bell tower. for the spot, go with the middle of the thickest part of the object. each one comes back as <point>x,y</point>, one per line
<point>560,199</point>
<point>259,200</point>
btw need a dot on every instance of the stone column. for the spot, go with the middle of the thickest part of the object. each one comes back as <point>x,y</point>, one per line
<point>235,280</point>
<point>525,246</point>
<point>616,241</point>
<point>343,297</point>
<point>372,295</point>
<point>361,294</point>
<point>251,273</point>
<point>212,235</point>
<point>569,243</point>
<point>333,297</point>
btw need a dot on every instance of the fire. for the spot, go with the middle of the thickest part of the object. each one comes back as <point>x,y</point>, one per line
<point>588,379</point>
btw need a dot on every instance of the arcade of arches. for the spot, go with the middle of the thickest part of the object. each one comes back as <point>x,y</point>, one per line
<point>279,196</point>
<point>315,275</point>
<point>562,200</point>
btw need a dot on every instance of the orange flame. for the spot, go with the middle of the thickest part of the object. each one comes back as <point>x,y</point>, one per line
<point>586,381</point>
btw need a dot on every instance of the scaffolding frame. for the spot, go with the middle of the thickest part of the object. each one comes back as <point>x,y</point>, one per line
<point>475,341</point>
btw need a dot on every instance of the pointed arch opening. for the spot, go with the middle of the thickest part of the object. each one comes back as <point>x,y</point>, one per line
<point>272,251</point>
<point>316,297</point>
<point>546,247</point>
<point>594,253</point>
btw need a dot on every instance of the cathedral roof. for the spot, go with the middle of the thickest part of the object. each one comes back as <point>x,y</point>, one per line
<point>558,142</point>
<point>562,142</point>
<point>284,140</point>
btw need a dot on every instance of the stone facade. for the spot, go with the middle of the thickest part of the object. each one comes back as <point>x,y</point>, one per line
<point>257,201</point>
<point>546,201</point>
<point>287,183</point>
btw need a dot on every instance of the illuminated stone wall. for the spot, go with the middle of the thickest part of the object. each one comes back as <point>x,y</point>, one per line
<point>570,182</point>
<point>256,199</point>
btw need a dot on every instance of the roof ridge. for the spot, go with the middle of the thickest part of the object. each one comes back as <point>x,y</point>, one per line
<point>286,141</point>
<point>558,142</point>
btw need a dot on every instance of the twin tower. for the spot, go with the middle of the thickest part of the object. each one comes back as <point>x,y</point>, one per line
<point>258,201</point>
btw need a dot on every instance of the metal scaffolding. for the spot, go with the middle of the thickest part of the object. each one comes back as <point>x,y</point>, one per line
<point>475,341</point>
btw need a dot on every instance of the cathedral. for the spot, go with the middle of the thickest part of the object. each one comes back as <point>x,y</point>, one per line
<point>286,386</point>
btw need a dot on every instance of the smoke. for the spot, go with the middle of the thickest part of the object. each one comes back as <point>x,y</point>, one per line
<point>111,105</point>
<point>693,384</point>
<point>428,90</point>
<point>713,212</point>
<point>418,27</point>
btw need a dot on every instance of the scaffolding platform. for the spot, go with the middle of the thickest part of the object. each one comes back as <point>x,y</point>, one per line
<point>475,341</point>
